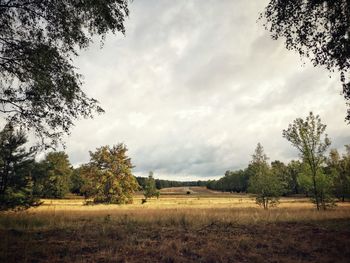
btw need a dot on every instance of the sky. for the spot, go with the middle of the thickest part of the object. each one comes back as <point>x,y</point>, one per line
<point>193,86</point>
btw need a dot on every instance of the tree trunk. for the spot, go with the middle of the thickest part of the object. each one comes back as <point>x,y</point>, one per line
<point>315,188</point>
<point>4,179</point>
<point>266,203</point>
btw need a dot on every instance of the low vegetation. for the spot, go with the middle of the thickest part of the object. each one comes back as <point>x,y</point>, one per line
<point>202,227</point>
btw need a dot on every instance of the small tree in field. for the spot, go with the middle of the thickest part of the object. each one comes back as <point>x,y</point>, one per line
<point>108,176</point>
<point>309,138</point>
<point>264,183</point>
<point>150,189</point>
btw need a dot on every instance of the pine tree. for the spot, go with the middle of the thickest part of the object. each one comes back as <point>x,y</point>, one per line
<point>15,170</point>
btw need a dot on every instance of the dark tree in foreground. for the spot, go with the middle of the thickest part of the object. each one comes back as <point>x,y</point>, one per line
<point>15,170</point>
<point>317,29</point>
<point>309,138</point>
<point>39,86</point>
<point>108,176</point>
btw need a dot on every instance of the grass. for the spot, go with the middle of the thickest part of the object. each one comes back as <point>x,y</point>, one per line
<point>200,227</point>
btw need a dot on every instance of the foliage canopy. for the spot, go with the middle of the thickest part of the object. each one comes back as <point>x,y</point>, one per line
<point>52,175</point>
<point>39,86</point>
<point>108,176</point>
<point>309,138</point>
<point>316,29</point>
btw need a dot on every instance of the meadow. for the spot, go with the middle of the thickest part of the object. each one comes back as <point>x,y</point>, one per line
<point>202,226</point>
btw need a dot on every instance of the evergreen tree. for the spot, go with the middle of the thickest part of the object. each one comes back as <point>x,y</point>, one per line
<point>15,170</point>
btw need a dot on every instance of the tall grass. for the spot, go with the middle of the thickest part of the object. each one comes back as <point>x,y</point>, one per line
<point>166,211</point>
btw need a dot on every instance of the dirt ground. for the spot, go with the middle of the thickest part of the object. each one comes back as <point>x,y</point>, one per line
<point>326,241</point>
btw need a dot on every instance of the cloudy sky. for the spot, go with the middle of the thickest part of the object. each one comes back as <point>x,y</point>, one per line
<point>195,85</point>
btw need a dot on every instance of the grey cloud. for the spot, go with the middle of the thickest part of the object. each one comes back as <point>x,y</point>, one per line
<point>195,85</point>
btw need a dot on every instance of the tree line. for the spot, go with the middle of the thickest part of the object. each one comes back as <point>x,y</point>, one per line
<point>108,178</point>
<point>322,178</point>
<point>161,183</point>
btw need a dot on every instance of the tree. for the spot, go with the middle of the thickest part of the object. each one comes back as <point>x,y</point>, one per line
<point>233,181</point>
<point>108,176</point>
<point>309,138</point>
<point>150,189</point>
<point>39,86</point>
<point>338,168</point>
<point>293,170</point>
<point>324,183</point>
<point>279,169</point>
<point>316,29</point>
<point>52,175</point>
<point>76,181</point>
<point>15,170</point>
<point>265,184</point>
<point>344,177</point>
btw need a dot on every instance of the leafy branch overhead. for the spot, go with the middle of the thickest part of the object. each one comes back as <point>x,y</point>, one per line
<point>39,86</point>
<point>316,29</point>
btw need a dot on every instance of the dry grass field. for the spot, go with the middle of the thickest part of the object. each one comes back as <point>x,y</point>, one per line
<point>203,226</point>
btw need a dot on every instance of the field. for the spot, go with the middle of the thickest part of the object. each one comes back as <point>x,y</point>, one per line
<point>203,226</point>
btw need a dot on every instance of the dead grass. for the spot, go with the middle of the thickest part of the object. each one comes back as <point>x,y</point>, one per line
<point>210,228</point>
